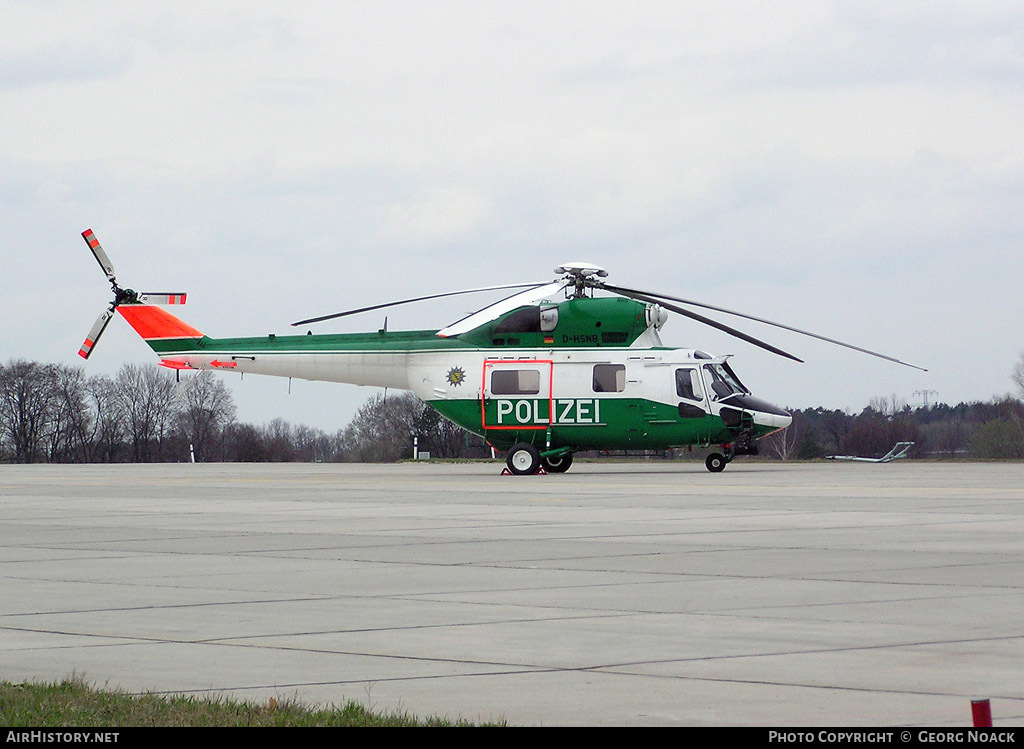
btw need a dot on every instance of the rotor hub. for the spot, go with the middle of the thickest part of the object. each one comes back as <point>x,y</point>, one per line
<point>582,276</point>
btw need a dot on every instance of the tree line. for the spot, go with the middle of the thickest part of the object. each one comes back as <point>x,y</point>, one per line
<point>56,413</point>
<point>992,430</point>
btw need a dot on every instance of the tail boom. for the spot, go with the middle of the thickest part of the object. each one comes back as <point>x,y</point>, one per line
<point>358,359</point>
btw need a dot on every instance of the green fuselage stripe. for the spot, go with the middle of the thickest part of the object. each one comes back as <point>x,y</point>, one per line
<point>591,423</point>
<point>399,342</point>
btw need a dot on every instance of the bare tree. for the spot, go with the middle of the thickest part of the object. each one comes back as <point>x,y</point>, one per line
<point>245,443</point>
<point>1003,435</point>
<point>887,407</point>
<point>278,436</point>
<point>312,445</point>
<point>948,436</point>
<point>207,408</point>
<point>108,431</point>
<point>71,423</point>
<point>784,444</point>
<point>442,437</point>
<point>1018,375</point>
<point>27,400</point>
<point>382,429</point>
<point>147,398</point>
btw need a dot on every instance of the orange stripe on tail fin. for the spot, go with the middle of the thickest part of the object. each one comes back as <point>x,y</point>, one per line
<point>154,323</point>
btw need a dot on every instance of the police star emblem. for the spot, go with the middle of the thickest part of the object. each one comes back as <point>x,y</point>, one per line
<point>456,376</point>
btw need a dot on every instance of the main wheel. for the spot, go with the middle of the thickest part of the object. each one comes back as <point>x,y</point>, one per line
<point>523,459</point>
<point>715,462</point>
<point>557,464</point>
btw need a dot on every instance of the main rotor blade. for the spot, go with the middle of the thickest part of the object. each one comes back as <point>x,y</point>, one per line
<point>707,321</point>
<point>657,297</point>
<point>494,311</point>
<point>99,254</point>
<point>94,334</point>
<point>415,299</point>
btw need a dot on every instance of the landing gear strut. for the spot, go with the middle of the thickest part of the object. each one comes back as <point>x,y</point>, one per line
<point>557,463</point>
<point>524,460</point>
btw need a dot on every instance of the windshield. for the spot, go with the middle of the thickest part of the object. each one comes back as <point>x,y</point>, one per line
<point>721,381</point>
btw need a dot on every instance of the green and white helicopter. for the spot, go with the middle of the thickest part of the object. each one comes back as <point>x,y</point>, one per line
<point>544,373</point>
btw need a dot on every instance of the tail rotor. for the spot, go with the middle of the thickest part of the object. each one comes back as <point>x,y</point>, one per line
<point>121,296</point>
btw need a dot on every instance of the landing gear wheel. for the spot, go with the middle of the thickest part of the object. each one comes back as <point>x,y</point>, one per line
<point>558,463</point>
<point>523,459</point>
<point>715,462</point>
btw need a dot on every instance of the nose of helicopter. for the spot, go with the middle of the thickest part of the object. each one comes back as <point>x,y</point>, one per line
<point>765,414</point>
<point>776,418</point>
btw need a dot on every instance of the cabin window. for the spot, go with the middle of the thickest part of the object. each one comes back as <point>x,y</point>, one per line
<point>688,384</point>
<point>609,378</point>
<point>515,382</point>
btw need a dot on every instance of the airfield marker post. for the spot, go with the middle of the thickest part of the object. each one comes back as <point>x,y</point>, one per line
<point>981,712</point>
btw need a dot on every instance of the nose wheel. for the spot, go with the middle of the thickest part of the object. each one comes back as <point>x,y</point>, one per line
<point>715,462</point>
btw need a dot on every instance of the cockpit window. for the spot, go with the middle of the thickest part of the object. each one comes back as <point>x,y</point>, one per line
<point>721,381</point>
<point>526,320</point>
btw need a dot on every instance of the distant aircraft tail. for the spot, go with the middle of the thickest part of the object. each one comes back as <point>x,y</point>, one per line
<point>899,450</point>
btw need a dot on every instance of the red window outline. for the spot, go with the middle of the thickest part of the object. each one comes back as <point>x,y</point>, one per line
<point>551,399</point>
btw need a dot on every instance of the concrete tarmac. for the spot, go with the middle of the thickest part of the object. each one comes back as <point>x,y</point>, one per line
<point>824,594</point>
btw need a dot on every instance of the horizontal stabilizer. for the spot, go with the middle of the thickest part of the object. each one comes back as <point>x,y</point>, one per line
<point>171,364</point>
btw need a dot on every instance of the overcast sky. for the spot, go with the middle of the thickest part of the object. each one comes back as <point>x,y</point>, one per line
<point>852,168</point>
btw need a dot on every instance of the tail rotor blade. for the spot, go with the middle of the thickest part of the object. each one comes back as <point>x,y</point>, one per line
<point>161,297</point>
<point>99,254</point>
<point>94,334</point>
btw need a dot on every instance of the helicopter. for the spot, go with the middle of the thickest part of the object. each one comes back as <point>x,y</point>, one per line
<point>549,371</point>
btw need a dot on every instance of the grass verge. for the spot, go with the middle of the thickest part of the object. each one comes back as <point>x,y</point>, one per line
<point>72,702</point>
